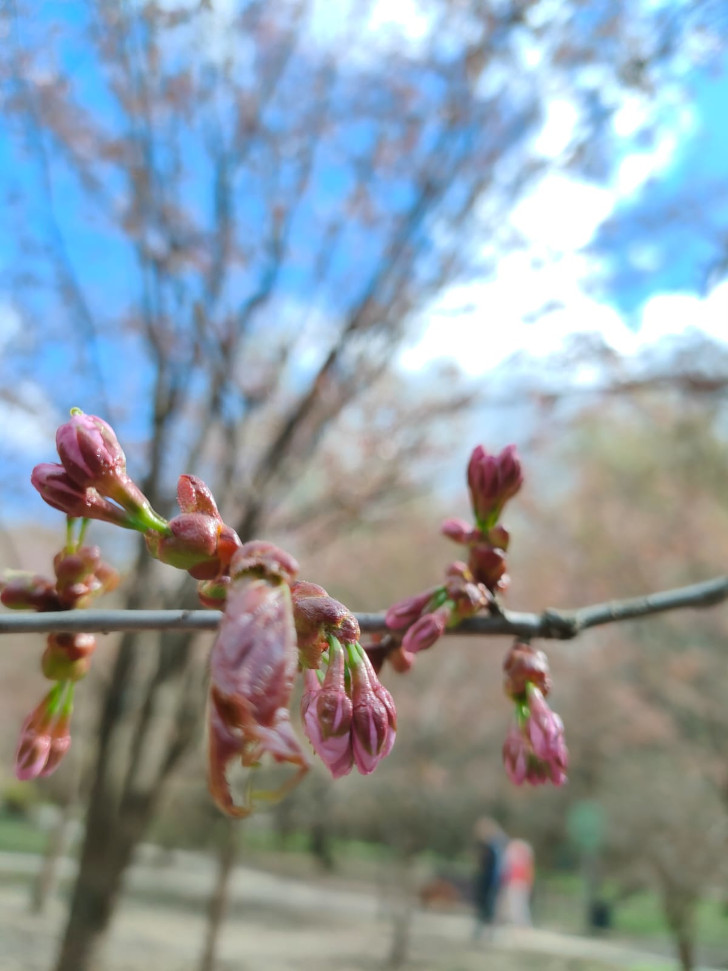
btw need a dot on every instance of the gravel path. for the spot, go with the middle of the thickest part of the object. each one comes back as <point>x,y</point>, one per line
<point>282,924</point>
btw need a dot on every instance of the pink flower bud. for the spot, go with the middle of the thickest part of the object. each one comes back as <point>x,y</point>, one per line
<point>428,629</point>
<point>191,541</point>
<point>44,737</point>
<point>459,531</point>
<point>400,660</point>
<point>524,665</point>
<point>93,458</point>
<point>534,750</point>
<point>60,491</point>
<point>488,565</point>
<point>327,711</point>
<point>28,591</point>
<point>194,496</point>
<point>89,449</point>
<point>317,616</point>
<point>200,544</point>
<point>406,612</point>
<point>374,718</point>
<point>492,481</point>
<point>516,754</point>
<point>545,730</point>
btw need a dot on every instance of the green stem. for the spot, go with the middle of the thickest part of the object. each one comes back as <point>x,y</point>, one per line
<point>82,532</point>
<point>70,522</point>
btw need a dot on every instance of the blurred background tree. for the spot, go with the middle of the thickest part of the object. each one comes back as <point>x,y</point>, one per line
<point>222,222</point>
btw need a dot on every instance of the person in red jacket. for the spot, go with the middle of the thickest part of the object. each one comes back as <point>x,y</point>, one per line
<point>517,882</point>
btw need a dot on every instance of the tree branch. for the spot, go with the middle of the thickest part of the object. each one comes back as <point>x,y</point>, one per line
<point>551,624</point>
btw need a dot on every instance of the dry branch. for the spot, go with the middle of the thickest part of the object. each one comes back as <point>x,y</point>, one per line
<point>551,623</point>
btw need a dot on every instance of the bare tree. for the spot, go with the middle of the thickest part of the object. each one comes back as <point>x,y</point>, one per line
<point>238,222</point>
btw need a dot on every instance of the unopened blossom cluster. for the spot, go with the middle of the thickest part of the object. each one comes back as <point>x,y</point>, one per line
<point>273,627</point>
<point>80,577</point>
<point>534,750</point>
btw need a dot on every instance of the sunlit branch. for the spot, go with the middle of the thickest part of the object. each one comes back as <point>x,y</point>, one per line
<point>551,623</point>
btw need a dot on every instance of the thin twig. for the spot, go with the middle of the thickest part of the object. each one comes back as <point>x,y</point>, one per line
<point>553,624</point>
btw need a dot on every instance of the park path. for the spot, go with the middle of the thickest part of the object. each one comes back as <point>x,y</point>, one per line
<point>278,923</point>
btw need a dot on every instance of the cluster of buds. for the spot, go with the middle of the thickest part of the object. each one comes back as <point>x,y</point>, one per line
<point>472,586</point>
<point>348,714</point>
<point>426,616</point>
<point>492,481</point>
<point>91,482</point>
<point>272,626</point>
<point>534,750</point>
<point>80,576</point>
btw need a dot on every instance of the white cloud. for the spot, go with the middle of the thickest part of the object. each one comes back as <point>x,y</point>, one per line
<point>26,418</point>
<point>558,128</point>
<point>561,213</point>
<point>10,324</point>
<point>668,314</point>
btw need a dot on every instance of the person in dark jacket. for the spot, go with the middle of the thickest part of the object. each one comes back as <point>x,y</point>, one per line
<point>490,842</point>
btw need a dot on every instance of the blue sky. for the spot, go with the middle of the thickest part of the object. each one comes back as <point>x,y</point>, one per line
<point>635,259</point>
<point>595,257</point>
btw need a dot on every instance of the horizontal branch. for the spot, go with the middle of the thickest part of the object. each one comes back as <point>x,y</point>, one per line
<point>554,624</point>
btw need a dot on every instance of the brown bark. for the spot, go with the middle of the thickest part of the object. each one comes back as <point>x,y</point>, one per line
<point>218,905</point>
<point>46,878</point>
<point>121,803</point>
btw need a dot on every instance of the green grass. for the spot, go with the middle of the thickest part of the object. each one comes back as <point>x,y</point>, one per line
<point>18,835</point>
<point>640,916</point>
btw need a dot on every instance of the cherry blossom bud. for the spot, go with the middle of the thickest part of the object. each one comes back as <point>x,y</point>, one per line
<point>459,531</point>
<point>467,596</point>
<point>67,656</point>
<point>524,665</point>
<point>545,731</point>
<point>492,481</point>
<point>407,611</point>
<point>194,496</point>
<point>60,491</point>
<point>44,737</point>
<point>534,750</point>
<point>191,541</point>
<point>326,710</point>
<point>516,754</point>
<point>400,660</point>
<point>374,718</point>
<point>93,458</point>
<point>488,565</point>
<point>318,616</point>
<point>28,591</point>
<point>428,629</point>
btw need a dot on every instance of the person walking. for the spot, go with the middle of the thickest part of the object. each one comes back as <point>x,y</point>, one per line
<point>517,882</point>
<point>490,843</point>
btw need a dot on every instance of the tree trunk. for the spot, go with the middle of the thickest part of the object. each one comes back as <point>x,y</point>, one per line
<point>679,909</point>
<point>140,740</point>
<point>218,906</point>
<point>685,952</point>
<point>107,850</point>
<point>47,876</point>
<point>402,906</point>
